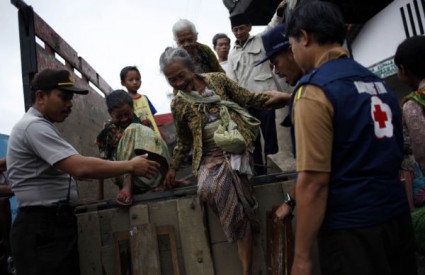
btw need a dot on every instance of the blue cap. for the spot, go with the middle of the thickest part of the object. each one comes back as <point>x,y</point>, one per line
<point>274,41</point>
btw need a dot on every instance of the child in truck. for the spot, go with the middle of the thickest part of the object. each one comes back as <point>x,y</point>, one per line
<point>143,108</point>
<point>122,138</point>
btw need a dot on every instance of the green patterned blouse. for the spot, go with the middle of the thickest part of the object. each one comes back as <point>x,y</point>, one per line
<point>190,120</point>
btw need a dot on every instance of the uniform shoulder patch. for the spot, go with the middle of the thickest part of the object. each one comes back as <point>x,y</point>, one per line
<point>300,92</point>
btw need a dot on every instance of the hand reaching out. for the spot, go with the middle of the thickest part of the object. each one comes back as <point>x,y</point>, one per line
<point>144,167</point>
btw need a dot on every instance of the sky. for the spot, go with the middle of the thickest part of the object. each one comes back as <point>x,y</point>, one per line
<point>110,35</point>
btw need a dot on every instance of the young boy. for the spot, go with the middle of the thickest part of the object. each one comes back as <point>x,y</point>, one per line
<point>143,108</point>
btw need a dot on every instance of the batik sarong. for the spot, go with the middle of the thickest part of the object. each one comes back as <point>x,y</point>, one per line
<point>228,193</point>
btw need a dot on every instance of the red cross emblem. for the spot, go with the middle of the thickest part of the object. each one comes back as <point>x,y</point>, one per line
<point>380,116</point>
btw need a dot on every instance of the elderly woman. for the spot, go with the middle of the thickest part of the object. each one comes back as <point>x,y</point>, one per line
<point>186,37</point>
<point>206,105</point>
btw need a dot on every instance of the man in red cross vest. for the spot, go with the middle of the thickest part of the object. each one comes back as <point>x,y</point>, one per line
<point>347,135</point>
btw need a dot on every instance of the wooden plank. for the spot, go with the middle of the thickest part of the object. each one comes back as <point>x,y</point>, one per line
<point>122,253</point>
<point>103,85</point>
<point>111,220</point>
<point>165,213</point>
<point>144,250</point>
<point>215,230</point>
<point>89,243</point>
<point>169,231</point>
<point>139,214</point>
<point>196,251</point>
<point>108,256</point>
<point>226,259</point>
<point>267,195</point>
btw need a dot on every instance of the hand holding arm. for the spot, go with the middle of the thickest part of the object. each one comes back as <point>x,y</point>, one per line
<point>277,99</point>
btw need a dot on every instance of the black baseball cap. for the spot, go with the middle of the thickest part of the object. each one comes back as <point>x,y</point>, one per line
<point>274,41</point>
<point>49,79</point>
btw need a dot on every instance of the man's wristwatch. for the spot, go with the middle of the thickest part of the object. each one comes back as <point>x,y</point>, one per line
<point>290,201</point>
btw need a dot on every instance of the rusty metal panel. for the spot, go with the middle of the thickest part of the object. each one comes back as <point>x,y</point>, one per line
<point>196,250</point>
<point>89,243</point>
<point>48,35</point>
<point>55,41</point>
<point>90,74</point>
<point>280,244</point>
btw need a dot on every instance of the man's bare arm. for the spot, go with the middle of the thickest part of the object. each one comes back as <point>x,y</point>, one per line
<point>312,193</point>
<point>91,167</point>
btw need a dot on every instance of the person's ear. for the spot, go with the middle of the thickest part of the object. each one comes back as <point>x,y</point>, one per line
<point>39,96</point>
<point>249,27</point>
<point>403,74</point>
<point>305,38</point>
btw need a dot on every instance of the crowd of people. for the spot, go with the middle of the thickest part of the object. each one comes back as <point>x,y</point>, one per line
<point>349,138</point>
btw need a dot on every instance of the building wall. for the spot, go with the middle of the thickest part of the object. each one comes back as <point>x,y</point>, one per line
<point>380,36</point>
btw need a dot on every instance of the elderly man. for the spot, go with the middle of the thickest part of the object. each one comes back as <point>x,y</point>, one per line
<point>247,51</point>
<point>349,147</point>
<point>221,44</point>
<point>41,167</point>
<point>186,36</point>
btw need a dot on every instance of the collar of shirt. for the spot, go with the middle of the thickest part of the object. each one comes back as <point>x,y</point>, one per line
<point>332,54</point>
<point>33,111</point>
<point>238,45</point>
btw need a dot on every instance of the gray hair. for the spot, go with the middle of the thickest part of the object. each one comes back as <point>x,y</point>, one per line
<point>184,24</point>
<point>171,55</point>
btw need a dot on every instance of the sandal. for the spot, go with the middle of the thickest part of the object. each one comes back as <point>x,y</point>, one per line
<point>124,198</point>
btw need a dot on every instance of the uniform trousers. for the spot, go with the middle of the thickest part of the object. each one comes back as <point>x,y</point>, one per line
<point>44,241</point>
<point>384,249</point>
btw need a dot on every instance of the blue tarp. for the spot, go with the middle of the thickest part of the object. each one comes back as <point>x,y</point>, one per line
<point>3,145</point>
<point>3,150</point>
